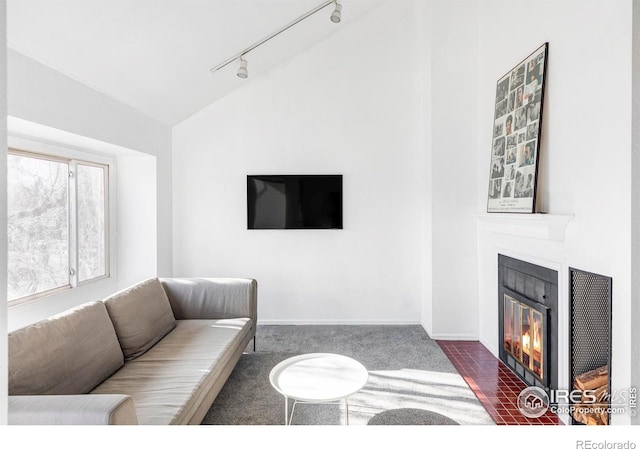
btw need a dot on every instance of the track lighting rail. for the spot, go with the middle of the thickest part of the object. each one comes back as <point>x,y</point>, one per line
<point>335,17</point>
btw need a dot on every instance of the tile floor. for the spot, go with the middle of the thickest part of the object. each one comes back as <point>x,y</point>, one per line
<point>493,383</point>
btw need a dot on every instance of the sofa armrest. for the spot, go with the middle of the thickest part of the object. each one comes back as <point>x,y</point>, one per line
<point>212,298</point>
<point>87,409</point>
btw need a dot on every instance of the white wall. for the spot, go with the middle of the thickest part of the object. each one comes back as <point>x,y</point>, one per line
<point>137,232</point>
<point>350,105</point>
<point>586,148</point>
<point>424,14</point>
<point>49,107</point>
<point>3,215</point>
<point>635,201</point>
<point>454,65</point>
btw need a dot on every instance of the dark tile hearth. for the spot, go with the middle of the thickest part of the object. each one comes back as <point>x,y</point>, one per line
<point>494,384</point>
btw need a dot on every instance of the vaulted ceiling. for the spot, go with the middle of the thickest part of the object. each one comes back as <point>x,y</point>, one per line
<point>155,55</point>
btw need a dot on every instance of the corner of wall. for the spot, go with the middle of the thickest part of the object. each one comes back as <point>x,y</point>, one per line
<point>427,328</point>
<point>4,351</point>
<point>453,26</point>
<point>423,18</point>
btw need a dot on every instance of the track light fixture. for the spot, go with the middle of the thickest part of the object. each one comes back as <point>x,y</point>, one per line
<point>242,70</point>
<point>336,17</point>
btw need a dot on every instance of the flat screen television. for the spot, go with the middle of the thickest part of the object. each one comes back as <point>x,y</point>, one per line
<point>294,201</point>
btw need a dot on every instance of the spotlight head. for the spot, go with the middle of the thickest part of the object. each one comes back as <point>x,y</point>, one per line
<point>242,70</point>
<point>336,15</point>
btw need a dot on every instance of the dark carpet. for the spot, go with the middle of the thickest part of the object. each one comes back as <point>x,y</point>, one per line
<point>411,381</point>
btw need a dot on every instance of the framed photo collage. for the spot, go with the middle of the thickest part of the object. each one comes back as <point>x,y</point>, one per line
<point>516,136</point>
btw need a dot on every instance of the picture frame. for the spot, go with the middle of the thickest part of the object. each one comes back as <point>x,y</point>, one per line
<point>517,126</point>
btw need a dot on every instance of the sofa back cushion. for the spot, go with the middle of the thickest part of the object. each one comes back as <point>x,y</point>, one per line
<point>141,316</point>
<point>69,353</point>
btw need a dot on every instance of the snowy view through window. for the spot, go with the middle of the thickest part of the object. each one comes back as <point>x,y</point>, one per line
<point>91,230</point>
<point>39,224</point>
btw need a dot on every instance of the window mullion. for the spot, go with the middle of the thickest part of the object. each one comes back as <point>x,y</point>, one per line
<point>73,224</point>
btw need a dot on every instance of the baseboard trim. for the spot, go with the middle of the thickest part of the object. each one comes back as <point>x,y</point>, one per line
<point>464,337</point>
<point>338,322</point>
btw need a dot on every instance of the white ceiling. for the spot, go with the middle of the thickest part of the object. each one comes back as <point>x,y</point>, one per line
<point>155,55</point>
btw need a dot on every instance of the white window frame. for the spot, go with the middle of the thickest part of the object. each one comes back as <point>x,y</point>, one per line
<point>73,222</point>
<point>75,157</point>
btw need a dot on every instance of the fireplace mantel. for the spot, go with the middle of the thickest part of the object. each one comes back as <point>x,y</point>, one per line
<point>538,226</point>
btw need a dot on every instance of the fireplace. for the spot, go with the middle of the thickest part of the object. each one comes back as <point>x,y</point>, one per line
<point>528,321</point>
<point>525,336</point>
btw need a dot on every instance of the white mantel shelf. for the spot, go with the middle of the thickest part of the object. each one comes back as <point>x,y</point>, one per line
<point>537,226</point>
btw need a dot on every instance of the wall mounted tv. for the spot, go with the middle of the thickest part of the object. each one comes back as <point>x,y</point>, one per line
<point>294,202</point>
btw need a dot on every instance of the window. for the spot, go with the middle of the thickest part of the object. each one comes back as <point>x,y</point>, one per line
<point>57,223</point>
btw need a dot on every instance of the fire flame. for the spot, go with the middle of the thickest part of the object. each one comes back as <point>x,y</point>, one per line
<point>526,339</point>
<point>537,340</point>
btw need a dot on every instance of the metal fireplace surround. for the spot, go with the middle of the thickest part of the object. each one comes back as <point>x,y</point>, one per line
<point>533,291</point>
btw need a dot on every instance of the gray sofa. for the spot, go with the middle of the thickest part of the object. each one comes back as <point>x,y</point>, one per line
<point>156,353</point>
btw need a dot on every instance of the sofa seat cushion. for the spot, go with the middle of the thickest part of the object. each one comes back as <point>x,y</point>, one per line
<point>169,381</point>
<point>69,353</point>
<point>141,315</point>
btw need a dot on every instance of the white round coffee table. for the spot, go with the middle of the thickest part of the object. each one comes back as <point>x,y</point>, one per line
<point>318,378</point>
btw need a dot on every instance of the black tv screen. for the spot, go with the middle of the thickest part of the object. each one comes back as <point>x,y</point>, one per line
<point>294,201</point>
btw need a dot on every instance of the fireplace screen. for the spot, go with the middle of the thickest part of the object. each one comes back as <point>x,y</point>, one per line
<point>524,335</point>
<point>528,321</point>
